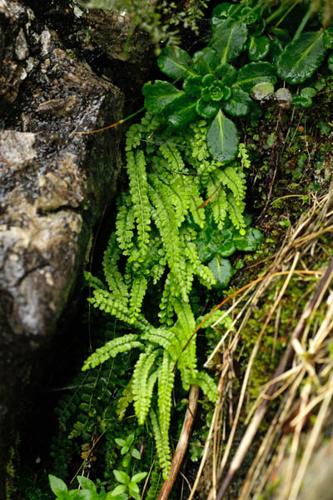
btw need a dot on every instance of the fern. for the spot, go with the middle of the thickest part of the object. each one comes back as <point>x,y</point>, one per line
<point>143,384</point>
<point>174,189</point>
<point>111,349</point>
<point>136,168</point>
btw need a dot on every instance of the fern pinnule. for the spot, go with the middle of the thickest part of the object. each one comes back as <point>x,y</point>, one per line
<point>111,349</point>
<point>125,223</point>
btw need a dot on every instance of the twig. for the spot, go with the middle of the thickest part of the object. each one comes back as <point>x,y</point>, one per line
<point>182,443</point>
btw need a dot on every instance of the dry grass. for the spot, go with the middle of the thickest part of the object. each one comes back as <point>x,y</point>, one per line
<point>286,425</point>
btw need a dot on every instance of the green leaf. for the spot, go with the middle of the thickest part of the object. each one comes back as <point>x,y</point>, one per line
<point>228,39</point>
<point>207,109</point>
<point>302,101</point>
<point>176,63</point>
<point>138,477</point>
<point>301,57</point>
<point>222,138</point>
<point>118,493</point>
<point>250,241</point>
<point>86,483</point>
<point>121,476</point>
<point>308,92</point>
<point>253,73</point>
<point>225,10</point>
<point>258,48</point>
<point>239,103</point>
<point>227,73</point>
<point>57,485</point>
<point>159,95</point>
<point>182,112</point>
<point>205,61</point>
<point>192,86</point>
<point>134,491</point>
<point>222,270</point>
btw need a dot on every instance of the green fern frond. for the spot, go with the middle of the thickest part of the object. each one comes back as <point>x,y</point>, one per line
<point>236,213</point>
<point>125,400</point>
<point>219,207</point>
<point>243,155</point>
<point>165,387</point>
<point>143,384</point>
<point>125,223</point>
<point>136,169</point>
<point>111,349</point>
<point>171,154</point>
<point>107,302</point>
<point>93,281</point>
<point>234,179</point>
<point>112,275</point>
<point>207,384</point>
<point>159,337</point>
<point>138,292</point>
<point>163,455</point>
<point>134,136</point>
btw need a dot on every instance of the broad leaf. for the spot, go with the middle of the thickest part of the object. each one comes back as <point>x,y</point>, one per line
<point>239,103</point>
<point>57,485</point>
<point>301,57</point>
<point>227,73</point>
<point>253,73</point>
<point>222,138</point>
<point>205,61</point>
<point>175,62</point>
<point>207,109</point>
<point>159,95</point>
<point>229,38</point>
<point>258,48</point>
<point>121,476</point>
<point>222,270</point>
<point>86,483</point>
<point>182,111</point>
<point>192,86</point>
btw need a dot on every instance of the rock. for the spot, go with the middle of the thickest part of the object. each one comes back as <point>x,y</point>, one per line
<point>55,183</point>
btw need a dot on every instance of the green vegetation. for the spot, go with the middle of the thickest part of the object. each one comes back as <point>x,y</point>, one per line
<point>179,232</point>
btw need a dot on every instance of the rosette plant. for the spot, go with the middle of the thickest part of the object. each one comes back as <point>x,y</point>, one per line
<point>214,85</point>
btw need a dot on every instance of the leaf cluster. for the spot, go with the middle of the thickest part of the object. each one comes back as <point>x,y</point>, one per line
<point>245,57</point>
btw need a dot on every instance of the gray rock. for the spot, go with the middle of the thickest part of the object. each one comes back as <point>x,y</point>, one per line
<point>55,183</point>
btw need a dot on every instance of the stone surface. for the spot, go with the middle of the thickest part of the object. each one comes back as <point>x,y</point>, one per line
<point>54,184</point>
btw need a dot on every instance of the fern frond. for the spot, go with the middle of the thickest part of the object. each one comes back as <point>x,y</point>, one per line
<point>165,387</point>
<point>172,155</point>
<point>207,384</point>
<point>93,281</point>
<point>159,337</point>
<point>163,456</point>
<point>107,302</point>
<point>138,292</point>
<point>136,169</point>
<point>234,179</point>
<point>143,384</point>
<point>111,349</point>
<point>125,400</point>
<point>203,272</point>
<point>112,275</point>
<point>125,223</point>
<point>236,213</point>
<point>134,136</point>
<point>167,224</point>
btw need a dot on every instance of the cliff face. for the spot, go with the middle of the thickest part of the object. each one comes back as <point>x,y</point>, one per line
<point>55,184</point>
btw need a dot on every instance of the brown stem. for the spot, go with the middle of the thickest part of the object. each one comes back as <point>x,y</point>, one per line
<point>182,443</point>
